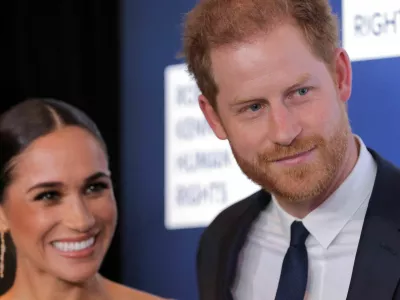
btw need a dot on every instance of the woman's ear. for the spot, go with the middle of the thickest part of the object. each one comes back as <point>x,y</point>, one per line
<point>3,220</point>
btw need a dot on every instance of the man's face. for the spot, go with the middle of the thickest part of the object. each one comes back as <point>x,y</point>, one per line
<point>283,112</point>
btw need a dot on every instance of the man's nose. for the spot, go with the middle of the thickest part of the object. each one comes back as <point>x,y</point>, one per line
<point>284,127</point>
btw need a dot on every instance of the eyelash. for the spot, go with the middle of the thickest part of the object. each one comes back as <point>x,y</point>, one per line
<point>53,195</point>
<point>47,196</point>
<point>99,187</point>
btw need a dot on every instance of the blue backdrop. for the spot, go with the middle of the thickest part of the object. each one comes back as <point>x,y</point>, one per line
<point>162,261</point>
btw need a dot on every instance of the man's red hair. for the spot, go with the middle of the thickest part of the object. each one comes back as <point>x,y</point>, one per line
<point>215,23</point>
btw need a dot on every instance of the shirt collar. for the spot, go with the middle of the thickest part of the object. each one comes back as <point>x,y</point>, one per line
<point>325,222</point>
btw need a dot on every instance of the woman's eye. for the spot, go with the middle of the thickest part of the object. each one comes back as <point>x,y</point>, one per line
<point>48,196</point>
<point>96,188</point>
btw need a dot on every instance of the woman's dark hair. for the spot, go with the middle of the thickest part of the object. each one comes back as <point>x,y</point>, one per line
<point>33,118</point>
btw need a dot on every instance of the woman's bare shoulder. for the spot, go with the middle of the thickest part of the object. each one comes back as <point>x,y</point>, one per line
<point>119,291</point>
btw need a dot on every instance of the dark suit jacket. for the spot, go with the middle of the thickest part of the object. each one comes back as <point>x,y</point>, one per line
<point>376,271</point>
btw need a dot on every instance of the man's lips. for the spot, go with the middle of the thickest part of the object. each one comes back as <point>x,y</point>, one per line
<point>294,156</point>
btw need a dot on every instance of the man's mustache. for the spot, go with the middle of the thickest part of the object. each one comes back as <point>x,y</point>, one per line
<point>299,146</point>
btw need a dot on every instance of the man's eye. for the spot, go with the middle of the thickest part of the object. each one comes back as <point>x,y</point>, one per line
<point>255,107</point>
<point>302,91</point>
<point>48,196</point>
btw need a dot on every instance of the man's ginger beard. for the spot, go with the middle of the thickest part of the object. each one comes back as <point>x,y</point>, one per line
<point>307,180</point>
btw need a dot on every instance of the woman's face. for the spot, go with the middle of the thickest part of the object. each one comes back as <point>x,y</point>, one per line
<point>60,207</point>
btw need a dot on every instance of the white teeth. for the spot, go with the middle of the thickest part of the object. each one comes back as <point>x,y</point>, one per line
<point>75,246</point>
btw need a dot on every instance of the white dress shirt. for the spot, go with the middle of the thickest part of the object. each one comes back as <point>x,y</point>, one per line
<point>335,228</point>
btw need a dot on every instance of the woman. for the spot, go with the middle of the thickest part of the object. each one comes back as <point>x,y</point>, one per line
<point>57,203</point>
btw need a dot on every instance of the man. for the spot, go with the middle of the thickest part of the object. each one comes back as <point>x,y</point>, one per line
<point>325,224</point>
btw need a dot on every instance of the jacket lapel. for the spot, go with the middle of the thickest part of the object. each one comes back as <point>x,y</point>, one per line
<point>234,240</point>
<point>376,269</point>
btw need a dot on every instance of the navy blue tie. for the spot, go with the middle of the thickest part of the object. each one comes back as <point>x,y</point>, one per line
<point>294,273</point>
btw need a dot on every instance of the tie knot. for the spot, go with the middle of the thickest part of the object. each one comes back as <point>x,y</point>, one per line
<point>298,233</point>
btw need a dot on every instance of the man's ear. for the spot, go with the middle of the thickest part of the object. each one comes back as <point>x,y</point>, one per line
<point>343,74</point>
<point>212,118</point>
